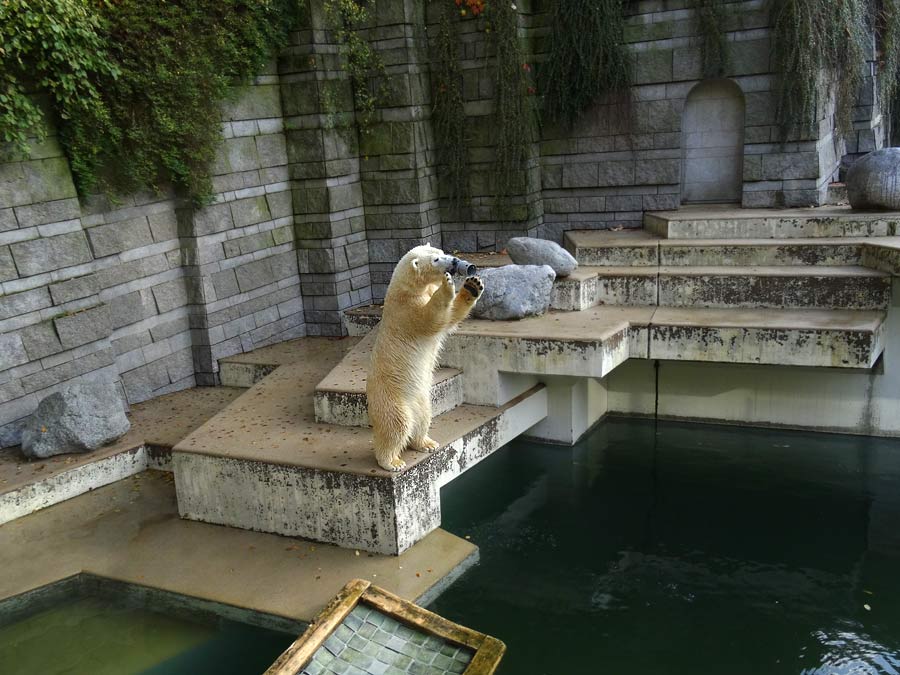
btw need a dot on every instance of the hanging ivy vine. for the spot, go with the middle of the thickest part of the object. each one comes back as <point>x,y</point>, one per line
<point>711,25</point>
<point>817,45</point>
<point>889,65</point>
<point>346,18</point>
<point>514,111</point>
<point>449,113</point>
<point>136,88</point>
<point>588,59</point>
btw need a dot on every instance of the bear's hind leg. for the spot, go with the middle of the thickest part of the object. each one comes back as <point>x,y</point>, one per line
<point>421,424</point>
<point>391,434</point>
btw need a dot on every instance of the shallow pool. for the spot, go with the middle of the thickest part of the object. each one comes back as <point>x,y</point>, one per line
<point>103,636</point>
<point>684,549</point>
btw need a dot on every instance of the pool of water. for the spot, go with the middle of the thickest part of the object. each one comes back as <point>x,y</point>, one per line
<point>102,636</point>
<point>677,548</point>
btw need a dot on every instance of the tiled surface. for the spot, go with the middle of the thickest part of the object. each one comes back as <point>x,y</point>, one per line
<point>371,643</point>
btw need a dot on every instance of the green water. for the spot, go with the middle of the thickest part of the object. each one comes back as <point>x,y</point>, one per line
<point>684,549</point>
<point>93,636</point>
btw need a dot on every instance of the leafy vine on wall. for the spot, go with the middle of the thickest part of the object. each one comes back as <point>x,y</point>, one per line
<point>588,59</point>
<point>514,110</point>
<point>449,111</point>
<point>347,18</point>
<point>135,86</point>
<point>711,18</point>
<point>889,64</point>
<point>818,45</point>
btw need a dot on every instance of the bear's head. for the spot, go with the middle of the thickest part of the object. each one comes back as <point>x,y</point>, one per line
<point>427,264</point>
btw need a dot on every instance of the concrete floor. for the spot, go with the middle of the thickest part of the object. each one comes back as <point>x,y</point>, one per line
<point>130,531</point>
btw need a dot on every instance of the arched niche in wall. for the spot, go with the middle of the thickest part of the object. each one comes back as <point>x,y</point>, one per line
<point>713,143</point>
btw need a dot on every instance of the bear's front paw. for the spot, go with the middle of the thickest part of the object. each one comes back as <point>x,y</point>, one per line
<point>474,286</point>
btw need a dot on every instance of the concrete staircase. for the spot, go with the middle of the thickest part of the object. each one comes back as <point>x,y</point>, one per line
<point>293,455</point>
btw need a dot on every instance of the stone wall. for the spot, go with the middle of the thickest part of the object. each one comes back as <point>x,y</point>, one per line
<point>147,292</point>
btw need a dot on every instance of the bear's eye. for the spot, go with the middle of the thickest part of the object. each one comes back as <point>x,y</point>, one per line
<point>435,260</point>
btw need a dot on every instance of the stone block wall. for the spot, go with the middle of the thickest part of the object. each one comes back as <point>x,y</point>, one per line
<point>147,291</point>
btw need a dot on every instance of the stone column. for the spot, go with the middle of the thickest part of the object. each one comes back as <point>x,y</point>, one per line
<point>324,166</point>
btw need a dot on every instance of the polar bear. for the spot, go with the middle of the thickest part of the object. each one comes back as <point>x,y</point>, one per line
<point>420,308</point>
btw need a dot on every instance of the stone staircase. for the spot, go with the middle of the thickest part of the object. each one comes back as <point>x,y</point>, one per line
<point>293,455</point>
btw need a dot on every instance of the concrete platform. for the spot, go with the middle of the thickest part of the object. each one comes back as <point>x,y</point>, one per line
<point>340,397</point>
<point>594,342</point>
<point>130,531</point>
<point>157,425</point>
<point>728,222</point>
<point>265,464</point>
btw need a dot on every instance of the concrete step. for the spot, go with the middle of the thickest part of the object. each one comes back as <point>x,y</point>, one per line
<point>728,222</point>
<point>340,398</point>
<point>265,463</point>
<point>623,248</point>
<point>820,287</point>
<point>590,286</point>
<point>785,337</point>
<point>760,252</point>
<point>245,370</point>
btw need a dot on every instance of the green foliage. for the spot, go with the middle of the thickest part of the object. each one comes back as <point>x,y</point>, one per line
<point>55,47</point>
<point>346,18</point>
<point>140,106</point>
<point>449,113</point>
<point>818,44</point>
<point>588,58</point>
<point>889,70</point>
<point>711,18</point>
<point>515,120</point>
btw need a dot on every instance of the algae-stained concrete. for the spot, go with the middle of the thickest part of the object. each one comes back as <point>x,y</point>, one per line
<point>265,463</point>
<point>130,531</point>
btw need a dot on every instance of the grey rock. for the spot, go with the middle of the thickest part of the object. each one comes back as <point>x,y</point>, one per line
<point>531,251</point>
<point>873,182</point>
<point>78,418</point>
<point>514,292</point>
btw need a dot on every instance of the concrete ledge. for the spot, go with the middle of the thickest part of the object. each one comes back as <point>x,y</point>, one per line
<point>349,504</point>
<point>130,532</point>
<point>811,339</point>
<point>27,486</point>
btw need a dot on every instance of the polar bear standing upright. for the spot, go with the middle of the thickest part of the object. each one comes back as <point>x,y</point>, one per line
<point>421,307</point>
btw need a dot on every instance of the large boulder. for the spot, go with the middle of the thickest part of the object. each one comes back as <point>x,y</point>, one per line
<point>531,251</point>
<point>514,292</point>
<point>77,418</point>
<point>873,182</point>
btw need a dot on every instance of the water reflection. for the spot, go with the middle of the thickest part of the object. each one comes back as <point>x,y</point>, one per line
<point>685,548</point>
